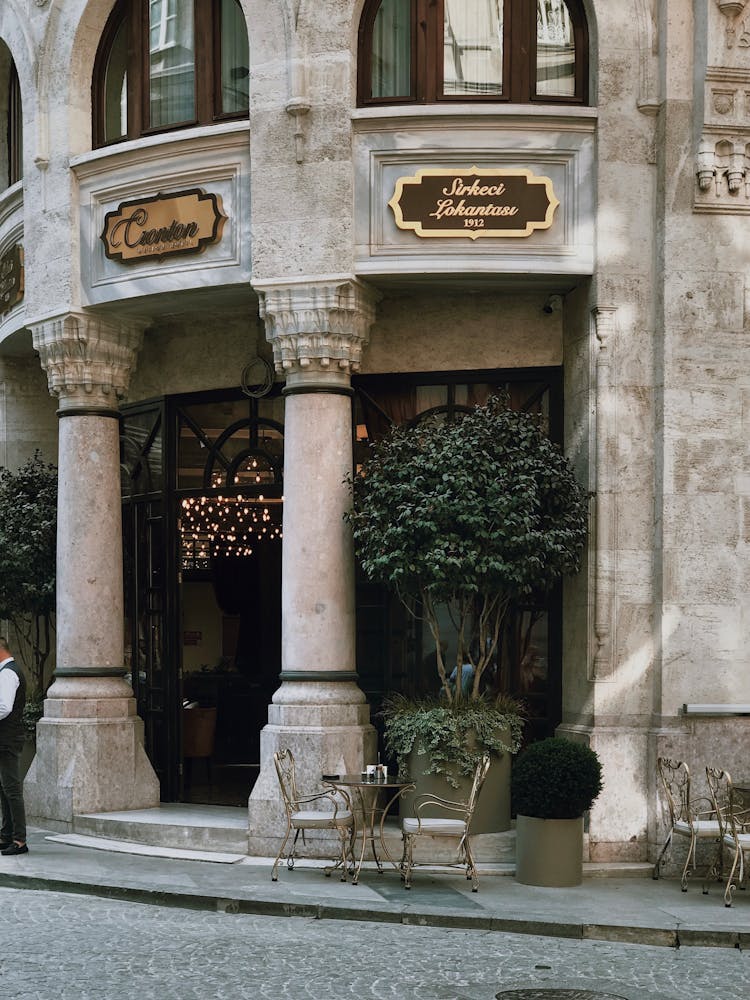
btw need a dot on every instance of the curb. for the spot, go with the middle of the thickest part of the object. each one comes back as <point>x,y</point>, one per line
<point>675,937</point>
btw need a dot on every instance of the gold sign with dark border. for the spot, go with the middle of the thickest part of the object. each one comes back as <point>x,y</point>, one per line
<point>163,226</point>
<point>11,278</point>
<point>475,202</point>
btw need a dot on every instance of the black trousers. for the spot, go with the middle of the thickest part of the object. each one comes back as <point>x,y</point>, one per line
<point>11,795</point>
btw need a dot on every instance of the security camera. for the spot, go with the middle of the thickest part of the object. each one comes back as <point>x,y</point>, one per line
<point>553,304</point>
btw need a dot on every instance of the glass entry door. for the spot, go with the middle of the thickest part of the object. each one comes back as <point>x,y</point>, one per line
<point>149,585</point>
<point>202,511</point>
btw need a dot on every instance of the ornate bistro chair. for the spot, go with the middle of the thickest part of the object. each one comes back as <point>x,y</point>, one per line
<point>684,819</point>
<point>733,810</point>
<point>338,816</point>
<point>458,826</point>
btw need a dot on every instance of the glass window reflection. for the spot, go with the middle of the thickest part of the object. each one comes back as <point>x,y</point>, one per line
<point>555,50</point>
<point>473,47</point>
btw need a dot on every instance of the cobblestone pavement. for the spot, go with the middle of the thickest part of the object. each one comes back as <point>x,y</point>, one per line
<point>56,945</point>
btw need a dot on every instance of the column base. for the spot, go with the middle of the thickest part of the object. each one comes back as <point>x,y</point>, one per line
<point>85,765</point>
<point>325,738</point>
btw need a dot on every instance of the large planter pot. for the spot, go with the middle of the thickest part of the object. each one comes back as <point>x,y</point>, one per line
<point>549,852</point>
<point>492,813</point>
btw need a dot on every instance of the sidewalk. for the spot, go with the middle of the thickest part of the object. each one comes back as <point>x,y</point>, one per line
<point>627,909</point>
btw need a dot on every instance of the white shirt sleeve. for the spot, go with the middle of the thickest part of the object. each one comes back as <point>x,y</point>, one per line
<point>8,688</point>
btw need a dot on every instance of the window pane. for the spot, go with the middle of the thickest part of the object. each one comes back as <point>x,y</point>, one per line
<point>555,49</point>
<point>116,87</point>
<point>391,50</point>
<point>15,128</point>
<point>172,50</point>
<point>235,59</point>
<point>473,47</point>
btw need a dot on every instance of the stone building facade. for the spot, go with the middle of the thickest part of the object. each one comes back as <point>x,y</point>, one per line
<point>318,143</point>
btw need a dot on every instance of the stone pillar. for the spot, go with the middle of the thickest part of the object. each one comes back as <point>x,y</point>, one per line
<point>90,755</point>
<point>318,332</point>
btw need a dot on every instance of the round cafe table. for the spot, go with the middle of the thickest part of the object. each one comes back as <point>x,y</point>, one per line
<point>374,808</point>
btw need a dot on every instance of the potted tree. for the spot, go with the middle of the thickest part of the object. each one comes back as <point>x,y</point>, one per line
<point>555,781</point>
<point>460,518</point>
<point>28,538</point>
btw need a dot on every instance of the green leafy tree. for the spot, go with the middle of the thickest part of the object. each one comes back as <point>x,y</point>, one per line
<point>470,514</point>
<point>28,533</point>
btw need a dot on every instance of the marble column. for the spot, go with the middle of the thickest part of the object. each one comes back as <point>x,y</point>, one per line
<point>318,331</point>
<point>90,755</point>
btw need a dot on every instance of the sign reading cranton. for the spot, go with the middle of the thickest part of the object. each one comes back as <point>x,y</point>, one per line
<point>473,203</point>
<point>163,226</point>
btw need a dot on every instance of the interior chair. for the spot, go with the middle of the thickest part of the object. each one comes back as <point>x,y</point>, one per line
<point>337,815</point>
<point>456,825</point>
<point>693,819</point>
<point>198,737</point>
<point>733,810</point>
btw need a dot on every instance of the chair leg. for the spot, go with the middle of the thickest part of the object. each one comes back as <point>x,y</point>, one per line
<point>274,870</point>
<point>730,886</point>
<point>293,852</point>
<point>657,867</point>
<point>407,861</point>
<point>471,868</point>
<point>689,863</point>
<point>343,837</point>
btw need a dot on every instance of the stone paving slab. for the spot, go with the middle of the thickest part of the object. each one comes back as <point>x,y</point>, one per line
<point>639,911</point>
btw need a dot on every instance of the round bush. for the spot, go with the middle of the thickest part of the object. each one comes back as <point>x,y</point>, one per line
<point>555,779</point>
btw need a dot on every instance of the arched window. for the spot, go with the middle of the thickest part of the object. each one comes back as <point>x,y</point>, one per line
<point>167,64</point>
<point>422,51</point>
<point>15,128</point>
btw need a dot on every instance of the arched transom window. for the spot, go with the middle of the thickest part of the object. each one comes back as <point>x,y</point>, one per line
<point>166,64</point>
<point>521,51</point>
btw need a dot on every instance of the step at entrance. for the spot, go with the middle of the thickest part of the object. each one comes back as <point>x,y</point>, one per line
<point>220,829</point>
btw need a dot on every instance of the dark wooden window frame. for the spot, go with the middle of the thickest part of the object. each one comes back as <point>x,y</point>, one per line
<point>519,57</point>
<point>15,127</point>
<point>207,71</point>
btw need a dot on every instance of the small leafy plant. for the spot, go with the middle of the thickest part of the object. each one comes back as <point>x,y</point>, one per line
<point>555,779</point>
<point>452,736</point>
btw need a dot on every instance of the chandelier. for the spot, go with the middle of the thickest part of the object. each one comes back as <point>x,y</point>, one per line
<point>226,526</point>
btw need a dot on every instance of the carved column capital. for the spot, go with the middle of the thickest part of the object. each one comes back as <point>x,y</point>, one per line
<point>319,326</point>
<point>88,359</point>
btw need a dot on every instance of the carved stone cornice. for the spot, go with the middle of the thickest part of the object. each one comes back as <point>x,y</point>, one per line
<point>317,326</point>
<point>88,359</point>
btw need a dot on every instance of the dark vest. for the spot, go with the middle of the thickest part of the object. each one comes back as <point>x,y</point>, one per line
<point>11,727</point>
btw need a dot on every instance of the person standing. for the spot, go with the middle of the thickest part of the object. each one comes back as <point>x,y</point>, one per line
<point>12,701</point>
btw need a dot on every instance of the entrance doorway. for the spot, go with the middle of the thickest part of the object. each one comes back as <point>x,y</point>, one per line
<point>202,504</point>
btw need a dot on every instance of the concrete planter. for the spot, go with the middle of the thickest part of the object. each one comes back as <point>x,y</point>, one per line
<point>492,813</point>
<point>549,852</point>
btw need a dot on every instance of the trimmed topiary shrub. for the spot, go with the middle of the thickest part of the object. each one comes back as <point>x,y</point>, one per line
<point>555,779</point>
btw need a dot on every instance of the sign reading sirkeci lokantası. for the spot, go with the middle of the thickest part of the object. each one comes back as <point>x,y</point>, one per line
<point>163,225</point>
<point>473,203</point>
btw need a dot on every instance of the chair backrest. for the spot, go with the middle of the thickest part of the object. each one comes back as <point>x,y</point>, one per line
<point>480,774</point>
<point>284,761</point>
<point>727,801</point>
<point>675,777</point>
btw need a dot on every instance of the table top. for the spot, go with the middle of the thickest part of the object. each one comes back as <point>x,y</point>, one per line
<point>357,781</point>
